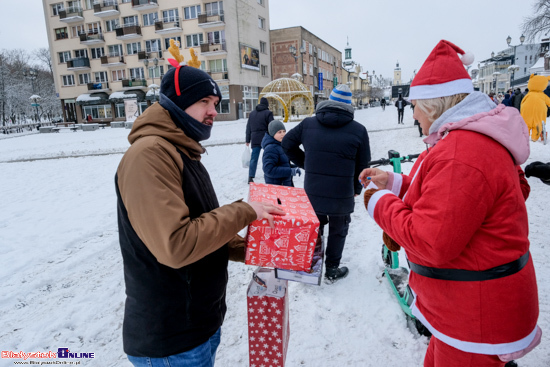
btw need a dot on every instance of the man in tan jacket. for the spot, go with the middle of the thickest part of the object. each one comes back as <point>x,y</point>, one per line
<point>175,238</point>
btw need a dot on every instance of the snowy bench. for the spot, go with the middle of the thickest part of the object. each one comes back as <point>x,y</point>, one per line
<point>117,124</point>
<point>90,127</point>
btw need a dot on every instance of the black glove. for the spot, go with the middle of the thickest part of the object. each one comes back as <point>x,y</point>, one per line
<point>539,170</point>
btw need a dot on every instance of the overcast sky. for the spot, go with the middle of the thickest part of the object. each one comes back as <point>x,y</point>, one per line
<point>380,32</point>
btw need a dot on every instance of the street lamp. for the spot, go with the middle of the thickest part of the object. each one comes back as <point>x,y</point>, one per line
<point>155,63</point>
<point>32,74</point>
<point>514,67</point>
<point>294,53</point>
<point>496,74</point>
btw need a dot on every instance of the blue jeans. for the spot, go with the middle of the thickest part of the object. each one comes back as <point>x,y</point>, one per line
<point>202,356</point>
<point>254,161</point>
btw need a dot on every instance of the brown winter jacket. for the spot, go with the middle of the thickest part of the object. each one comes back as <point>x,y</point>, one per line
<point>150,184</point>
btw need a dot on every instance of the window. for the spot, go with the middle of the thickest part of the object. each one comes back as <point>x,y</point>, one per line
<point>217,66</point>
<point>170,15</point>
<point>263,47</point>
<point>111,25</point>
<point>98,112</point>
<point>216,37</point>
<point>131,20</point>
<point>150,19</point>
<point>193,40</point>
<point>100,76</point>
<point>137,73</point>
<point>126,1</point>
<point>215,8</point>
<point>119,110</point>
<point>73,6</point>
<point>68,80</point>
<point>115,50</point>
<point>83,78</point>
<point>97,52</point>
<point>156,72</point>
<point>61,33</point>
<point>261,23</point>
<point>261,2</point>
<point>223,106</point>
<point>191,12</point>
<point>167,41</point>
<point>153,45</point>
<point>94,28</point>
<point>264,70</point>
<point>310,49</point>
<point>56,8</point>
<point>80,53</point>
<point>77,30</point>
<point>88,4</point>
<point>64,56</point>
<point>133,48</point>
<point>118,75</point>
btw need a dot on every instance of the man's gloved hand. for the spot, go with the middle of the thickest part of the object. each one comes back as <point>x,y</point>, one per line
<point>390,243</point>
<point>367,195</point>
<point>296,171</point>
<point>539,170</point>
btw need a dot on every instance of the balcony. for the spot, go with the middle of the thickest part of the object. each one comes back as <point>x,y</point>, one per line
<point>91,38</point>
<point>112,60</point>
<point>98,87</point>
<point>80,63</point>
<point>168,26</point>
<point>105,9</point>
<point>218,75</point>
<point>211,19</point>
<point>140,5</point>
<point>71,15</point>
<point>149,55</point>
<point>213,49</point>
<point>128,32</point>
<point>134,83</point>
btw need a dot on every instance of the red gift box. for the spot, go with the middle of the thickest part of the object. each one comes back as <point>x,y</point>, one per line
<point>268,325</point>
<point>291,243</point>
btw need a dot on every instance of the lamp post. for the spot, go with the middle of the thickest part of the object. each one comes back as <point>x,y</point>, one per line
<point>294,53</point>
<point>495,83</point>
<point>514,67</point>
<point>32,74</point>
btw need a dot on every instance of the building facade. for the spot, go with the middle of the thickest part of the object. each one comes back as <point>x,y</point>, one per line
<point>507,69</point>
<point>106,51</point>
<point>296,50</point>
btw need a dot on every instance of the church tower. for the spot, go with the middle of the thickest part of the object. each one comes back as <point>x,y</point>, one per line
<point>397,74</point>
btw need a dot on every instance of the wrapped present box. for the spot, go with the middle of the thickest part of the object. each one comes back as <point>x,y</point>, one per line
<point>268,325</point>
<point>290,245</point>
<point>313,275</point>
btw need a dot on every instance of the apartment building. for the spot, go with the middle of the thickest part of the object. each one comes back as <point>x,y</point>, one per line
<point>106,51</point>
<point>296,50</point>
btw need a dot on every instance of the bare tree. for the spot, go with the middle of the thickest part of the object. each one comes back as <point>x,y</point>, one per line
<point>43,55</point>
<point>539,23</point>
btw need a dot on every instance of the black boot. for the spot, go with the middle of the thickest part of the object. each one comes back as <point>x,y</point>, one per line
<point>511,364</point>
<point>332,274</point>
<point>250,179</point>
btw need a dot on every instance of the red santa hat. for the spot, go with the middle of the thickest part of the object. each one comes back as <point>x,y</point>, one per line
<point>443,73</point>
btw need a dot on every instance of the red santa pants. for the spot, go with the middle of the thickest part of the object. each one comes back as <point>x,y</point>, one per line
<point>440,354</point>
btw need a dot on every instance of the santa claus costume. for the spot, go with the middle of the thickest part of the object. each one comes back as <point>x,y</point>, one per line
<point>461,217</point>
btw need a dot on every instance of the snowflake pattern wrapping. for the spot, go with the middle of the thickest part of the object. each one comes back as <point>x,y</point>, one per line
<point>268,325</point>
<point>291,243</point>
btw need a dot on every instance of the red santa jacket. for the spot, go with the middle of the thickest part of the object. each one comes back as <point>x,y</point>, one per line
<point>462,207</point>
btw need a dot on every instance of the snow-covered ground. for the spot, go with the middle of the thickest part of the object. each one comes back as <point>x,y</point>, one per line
<point>61,268</point>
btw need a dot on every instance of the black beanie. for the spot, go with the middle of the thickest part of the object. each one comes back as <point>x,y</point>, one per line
<point>194,85</point>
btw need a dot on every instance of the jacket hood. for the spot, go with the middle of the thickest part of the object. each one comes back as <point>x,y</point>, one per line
<point>263,105</point>
<point>156,121</point>
<point>267,140</point>
<point>478,113</point>
<point>334,114</point>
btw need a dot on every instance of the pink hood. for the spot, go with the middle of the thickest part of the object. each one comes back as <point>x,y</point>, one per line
<point>478,113</point>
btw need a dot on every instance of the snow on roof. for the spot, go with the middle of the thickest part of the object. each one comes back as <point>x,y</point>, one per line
<point>34,96</point>
<point>151,92</point>
<point>122,95</point>
<point>87,97</point>
<point>539,64</point>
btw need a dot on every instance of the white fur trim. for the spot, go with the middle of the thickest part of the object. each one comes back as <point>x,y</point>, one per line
<point>471,347</point>
<point>441,90</point>
<point>374,199</point>
<point>397,183</point>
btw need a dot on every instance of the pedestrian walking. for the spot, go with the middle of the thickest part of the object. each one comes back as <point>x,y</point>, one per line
<point>400,104</point>
<point>256,127</point>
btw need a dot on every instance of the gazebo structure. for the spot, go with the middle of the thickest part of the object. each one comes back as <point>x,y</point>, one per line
<point>288,94</point>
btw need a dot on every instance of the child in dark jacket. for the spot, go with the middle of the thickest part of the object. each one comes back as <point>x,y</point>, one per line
<point>276,165</point>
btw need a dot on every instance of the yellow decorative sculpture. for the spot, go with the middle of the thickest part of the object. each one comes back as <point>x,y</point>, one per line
<point>289,96</point>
